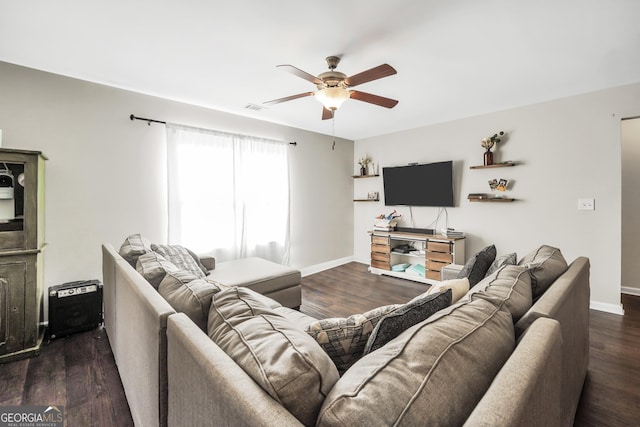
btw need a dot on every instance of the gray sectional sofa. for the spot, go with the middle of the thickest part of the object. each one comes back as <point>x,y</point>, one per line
<point>500,356</point>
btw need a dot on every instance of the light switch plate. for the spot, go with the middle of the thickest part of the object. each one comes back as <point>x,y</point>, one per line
<point>586,204</point>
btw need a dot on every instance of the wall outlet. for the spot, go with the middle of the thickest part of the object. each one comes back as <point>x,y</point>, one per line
<point>586,204</point>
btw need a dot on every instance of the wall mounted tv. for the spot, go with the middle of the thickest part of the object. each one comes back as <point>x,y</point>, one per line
<point>429,184</point>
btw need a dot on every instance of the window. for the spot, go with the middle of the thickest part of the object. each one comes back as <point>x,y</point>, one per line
<point>228,194</point>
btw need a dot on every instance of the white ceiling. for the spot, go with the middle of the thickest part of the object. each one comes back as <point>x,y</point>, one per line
<point>455,58</point>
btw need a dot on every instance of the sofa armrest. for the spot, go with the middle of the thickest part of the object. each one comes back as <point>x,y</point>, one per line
<point>450,271</point>
<point>208,261</point>
<point>567,301</point>
<point>531,380</point>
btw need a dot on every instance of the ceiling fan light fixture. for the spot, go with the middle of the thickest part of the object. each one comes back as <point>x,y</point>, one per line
<point>332,97</point>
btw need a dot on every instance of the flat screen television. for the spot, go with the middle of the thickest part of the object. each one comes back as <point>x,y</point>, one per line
<point>429,184</point>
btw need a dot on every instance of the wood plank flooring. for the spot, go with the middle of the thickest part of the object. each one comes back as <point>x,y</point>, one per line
<point>79,372</point>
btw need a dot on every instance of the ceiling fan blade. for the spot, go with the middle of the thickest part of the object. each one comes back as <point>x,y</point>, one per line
<point>373,99</point>
<point>288,98</point>
<point>327,114</point>
<point>303,74</point>
<point>374,73</point>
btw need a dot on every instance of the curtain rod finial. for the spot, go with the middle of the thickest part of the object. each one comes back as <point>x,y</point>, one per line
<point>132,117</point>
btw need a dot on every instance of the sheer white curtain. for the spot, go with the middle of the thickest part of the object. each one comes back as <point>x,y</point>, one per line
<point>228,194</point>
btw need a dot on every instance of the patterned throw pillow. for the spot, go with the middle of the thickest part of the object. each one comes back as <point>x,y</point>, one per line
<point>180,257</point>
<point>153,267</point>
<point>134,246</point>
<point>476,267</point>
<point>408,315</point>
<point>508,259</point>
<point>344,339</point>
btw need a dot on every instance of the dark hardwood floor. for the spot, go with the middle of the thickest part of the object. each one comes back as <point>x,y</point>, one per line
<point>79,371</point>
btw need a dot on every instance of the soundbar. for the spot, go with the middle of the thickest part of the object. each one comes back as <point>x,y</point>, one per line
<point>415,230</point>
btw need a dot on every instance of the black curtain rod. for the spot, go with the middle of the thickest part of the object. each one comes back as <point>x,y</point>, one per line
<point>149,121</point>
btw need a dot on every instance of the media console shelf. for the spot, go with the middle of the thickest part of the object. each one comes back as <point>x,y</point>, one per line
<point>433,252</point>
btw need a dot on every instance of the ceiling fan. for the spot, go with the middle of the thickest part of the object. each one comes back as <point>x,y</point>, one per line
<point>334,87</point>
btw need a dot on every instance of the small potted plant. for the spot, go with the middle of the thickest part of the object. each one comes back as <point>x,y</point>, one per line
<point>363,162</point>
<point>488,143</point>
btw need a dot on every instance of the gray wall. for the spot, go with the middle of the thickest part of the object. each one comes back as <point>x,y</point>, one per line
<point>105,177</point>
<point>566,149</point>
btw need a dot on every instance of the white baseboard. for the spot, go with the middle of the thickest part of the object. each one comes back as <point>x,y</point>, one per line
<point>325,266</point>
<point>608,308</point>
<point>630,291</point>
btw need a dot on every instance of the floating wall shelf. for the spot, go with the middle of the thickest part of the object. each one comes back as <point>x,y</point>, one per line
<point>364,176</point>
<point>496,165</point>
<point>492,199</point>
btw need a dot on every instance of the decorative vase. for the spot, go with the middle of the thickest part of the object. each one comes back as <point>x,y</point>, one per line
<point>363,170</point>
<point>488,158</point>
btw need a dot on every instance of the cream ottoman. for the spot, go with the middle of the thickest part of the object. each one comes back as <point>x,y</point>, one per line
<point>276,281</point>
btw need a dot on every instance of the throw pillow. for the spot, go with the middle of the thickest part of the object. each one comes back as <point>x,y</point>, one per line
<point>544,265</point>
<point>510,284</point>
<point>180,257</point>
<point>344,339</point>
<point>476,267</point>
<point>433,374</point>
<point>410,314</point>
<point>459,287</point>
<point>508,259</point>
<point>134,246</point>
<point>286,362</point>
<point>189,294</point>
<point>153,267</point>
<point>198,261</point>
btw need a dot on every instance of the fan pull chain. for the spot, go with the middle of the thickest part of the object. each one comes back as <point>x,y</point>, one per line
<point>333,131</point>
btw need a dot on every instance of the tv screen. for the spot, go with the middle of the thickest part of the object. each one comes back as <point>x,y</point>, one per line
<point>429,184</point>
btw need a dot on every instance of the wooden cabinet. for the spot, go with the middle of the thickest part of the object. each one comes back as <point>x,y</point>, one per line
<point>21,245</point>
<point>433,252</point>
<point>381,252</point>
<point>440,253</point>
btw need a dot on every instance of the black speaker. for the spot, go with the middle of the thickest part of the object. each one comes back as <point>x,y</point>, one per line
<point>74,307</point>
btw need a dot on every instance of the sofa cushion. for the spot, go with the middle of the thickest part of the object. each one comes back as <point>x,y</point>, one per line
<point>433,374</point>
<point>298,318</point>
<point>510,284</point>
<point>459,287</point>
<point>189,294</point>
<point>134,246</point>
<point>409,314</point>
<point>286,362</point>
<point>507,259</point>
<point>476,267</point>
<point>344,339</point>
<point>153,267</point>
<point>545,265</point>
<point>181,257</point>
